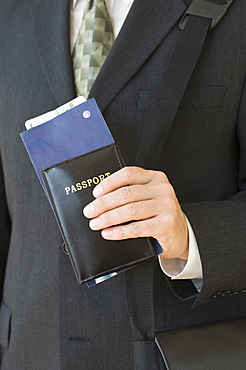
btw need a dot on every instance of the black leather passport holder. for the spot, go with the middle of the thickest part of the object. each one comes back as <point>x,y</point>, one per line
<point>69,185</point>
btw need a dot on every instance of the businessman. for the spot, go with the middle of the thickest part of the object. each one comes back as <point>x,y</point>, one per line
<point>192,201</point>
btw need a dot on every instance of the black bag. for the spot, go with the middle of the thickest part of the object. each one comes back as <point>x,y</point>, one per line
<point>215,346</point>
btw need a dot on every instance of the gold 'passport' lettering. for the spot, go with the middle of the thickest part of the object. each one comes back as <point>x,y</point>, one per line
<point>84,184</point>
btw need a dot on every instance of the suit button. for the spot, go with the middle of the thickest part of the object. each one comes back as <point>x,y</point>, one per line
<point>64,248</point>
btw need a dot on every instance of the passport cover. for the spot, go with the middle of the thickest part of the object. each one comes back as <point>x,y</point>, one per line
<point>69,185</point>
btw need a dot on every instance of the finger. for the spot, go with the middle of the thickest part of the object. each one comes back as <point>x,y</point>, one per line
<point>148,228</point>
<point>119,197</point>
<point>125,176</point>
<point>136,229</point>
<point>129,212</point>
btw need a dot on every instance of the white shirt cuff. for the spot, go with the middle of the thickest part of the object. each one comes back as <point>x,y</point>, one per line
<point>177,268</point>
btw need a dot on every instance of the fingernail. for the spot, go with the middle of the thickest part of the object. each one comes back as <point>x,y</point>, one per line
<point>106,233</point>
<point>97,191</point>
<point>88,210</point>
<point>94,222</point>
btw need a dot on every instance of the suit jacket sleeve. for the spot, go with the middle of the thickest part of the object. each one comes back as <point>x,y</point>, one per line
<point>220,230</point>
<point>4,230</point>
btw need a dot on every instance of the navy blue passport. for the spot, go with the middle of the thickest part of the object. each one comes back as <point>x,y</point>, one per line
<point>78,131</point>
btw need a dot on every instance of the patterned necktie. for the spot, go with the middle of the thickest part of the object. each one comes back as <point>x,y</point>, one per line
<point>94,41</point>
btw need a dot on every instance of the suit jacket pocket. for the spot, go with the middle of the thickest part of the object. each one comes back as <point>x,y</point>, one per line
<point>194,97</point>
<point>203,97</point>
<point>5,325</point>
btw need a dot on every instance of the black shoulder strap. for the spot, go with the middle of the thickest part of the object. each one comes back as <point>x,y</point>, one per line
<point>200,16</point>
<point>197,20</point>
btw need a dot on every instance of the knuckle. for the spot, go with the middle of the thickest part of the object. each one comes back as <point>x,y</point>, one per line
<point>126,172</point>
<point>107,183</point>
<point>136,229</point>
<point>160,189</point>
<point>171,220</point>
<point>162,176</point>
<point>161,220</point>
<point>121,233</point>
<point>107,218</point>
<point>131,209</point>
<point>99,204</point>
<point>167,188</point>
<point>125,193</point>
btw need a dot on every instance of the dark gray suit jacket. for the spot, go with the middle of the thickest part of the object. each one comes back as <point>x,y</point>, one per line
<point>47,320</point>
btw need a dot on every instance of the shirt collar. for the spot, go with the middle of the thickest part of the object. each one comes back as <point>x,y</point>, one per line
<point>126,2</point>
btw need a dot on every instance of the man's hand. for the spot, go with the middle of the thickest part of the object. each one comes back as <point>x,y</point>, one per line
<point>133,203</point>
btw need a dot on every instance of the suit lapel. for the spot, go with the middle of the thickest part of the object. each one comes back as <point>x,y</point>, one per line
<point>146,25</point>
<point>52,38</point>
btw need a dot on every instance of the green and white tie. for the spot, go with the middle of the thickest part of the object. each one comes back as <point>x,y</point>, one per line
<point>92,46</point>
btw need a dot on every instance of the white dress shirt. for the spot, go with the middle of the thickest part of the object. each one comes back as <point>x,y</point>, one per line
<point>175,268</point>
